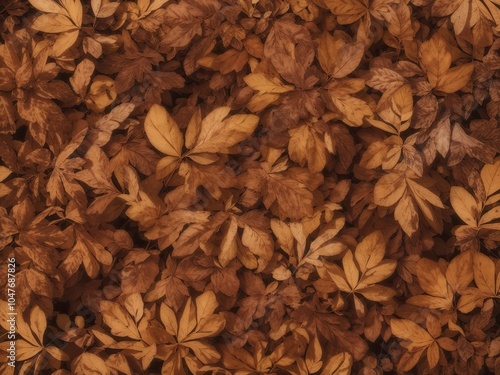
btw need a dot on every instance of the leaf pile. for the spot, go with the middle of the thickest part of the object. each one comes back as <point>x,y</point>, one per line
<point>251,187</point>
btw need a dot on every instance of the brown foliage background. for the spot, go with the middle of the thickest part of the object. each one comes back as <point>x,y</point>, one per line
<point>251,187</point>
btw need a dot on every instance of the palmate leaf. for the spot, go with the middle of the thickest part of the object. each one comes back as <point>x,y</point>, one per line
<point>362,270</point>
<point>216,133</point>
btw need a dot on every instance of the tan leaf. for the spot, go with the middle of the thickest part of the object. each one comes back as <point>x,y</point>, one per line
<point>377,292</point>
<point>378,273</point>
<point>266,84</point>
<point>338,58</point>
<point>218,133</point>
<point>408,330</point>
<point>187,322</point>
<point>459,273</point>
<point>338,276</point>
<point>208,327</point>
<point>163,132</point>
<point>410,359</point>
<point>484,273</point>
<point>432,281</point>
<point>465,205</point>
<point>430,302</point>
<point>48,6</point>
<point>350,269</point>
<point>455,78</point>
<point>206,304</point>
<point>53,23</point>
<point>347,11</point>
<point>389,189</point>
<point>370,251</point>
<point>433,353</point>
<point>435,58</point>
<point>305,146</point>
<point>81,77</point>
<point>88,363</point>
<point>490,175</point>
<point>463,144</point>
<point>102,93</point>
<point>339,364</point>
<point>313,356</point>
<point>118,319</point>
<point>354,110</point>
<point>204,352</point>
<point>406,214</point>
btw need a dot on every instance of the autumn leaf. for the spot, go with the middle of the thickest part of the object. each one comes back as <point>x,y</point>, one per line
<point>119,320</point>
<point>486,280</point>
<point>65,19</point>
<point>31,349</point>
<point>434,283</point>
<point>436,59</point>
<point>197,322</point>
<point>163,132</point>
<point>363,270</point>
<point>337,58</point>
<point>216,133</point>
<point>419,340</point>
